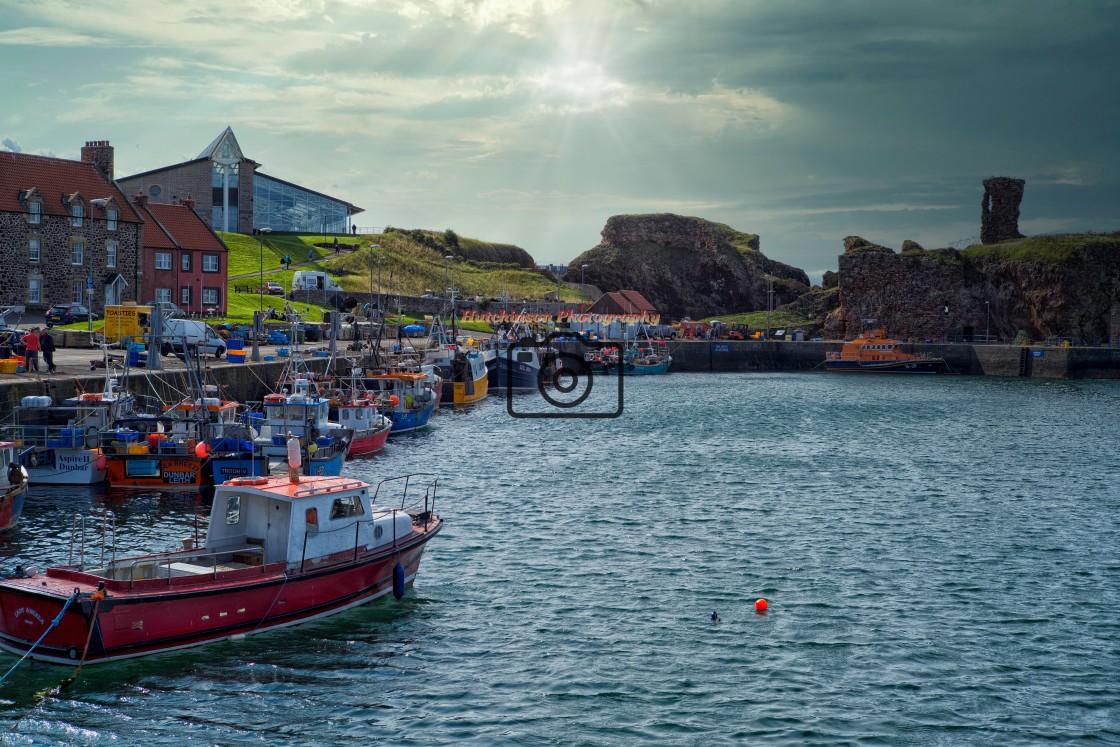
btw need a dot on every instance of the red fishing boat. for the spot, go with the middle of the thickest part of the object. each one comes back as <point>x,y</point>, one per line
<point>279,551</point>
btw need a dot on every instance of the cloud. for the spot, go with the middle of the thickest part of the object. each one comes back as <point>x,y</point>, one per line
<point>10,145</point>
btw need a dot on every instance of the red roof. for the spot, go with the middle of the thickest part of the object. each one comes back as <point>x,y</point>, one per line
<point>623,302</point>
<point>57,179</point>
<point>178,226</point>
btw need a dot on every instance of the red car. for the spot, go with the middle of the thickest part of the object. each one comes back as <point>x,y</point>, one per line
<point>271,288</point>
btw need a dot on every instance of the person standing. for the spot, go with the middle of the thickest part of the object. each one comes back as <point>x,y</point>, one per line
<point>46,344</point>
<point>31,351</point>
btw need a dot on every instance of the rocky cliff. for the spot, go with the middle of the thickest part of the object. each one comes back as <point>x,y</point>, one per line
<point>1049,286</point>
<point>687,266</point>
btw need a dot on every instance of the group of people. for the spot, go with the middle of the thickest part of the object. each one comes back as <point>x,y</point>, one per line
<point>31,343</point>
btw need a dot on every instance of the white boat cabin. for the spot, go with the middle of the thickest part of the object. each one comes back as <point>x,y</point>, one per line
<point>302,521</point>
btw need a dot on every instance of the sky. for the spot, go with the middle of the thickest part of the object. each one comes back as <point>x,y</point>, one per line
<point>531,122</point>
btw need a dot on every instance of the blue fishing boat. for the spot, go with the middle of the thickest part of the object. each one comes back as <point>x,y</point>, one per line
<point>303,414</point>
<point>406,394</point>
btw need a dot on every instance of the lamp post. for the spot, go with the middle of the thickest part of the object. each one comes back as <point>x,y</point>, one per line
<point>260,287</point>
<point>988,322</point>
<point>582,269</point>
<point>446,284</point>
<point>372,247</point>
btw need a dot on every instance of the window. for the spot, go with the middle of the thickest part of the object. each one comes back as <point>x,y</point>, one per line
<point>111,254</point>
<point>78,253</point>
<point>210,296</point>
<point>76,289</point>
<point>77,212</point>
<point>35,212</point>
<point>154,190</point>
<point>351,505</point>
<point>33,249</point>
<point>233,510</point>
<point>163,261</point>
<point>185,296</point>
<point>209,262</point>
<point>34,290</point>
<point>185,261</point>
<point>163,294</point>
<point>311,518</point>
<point>111,216</point>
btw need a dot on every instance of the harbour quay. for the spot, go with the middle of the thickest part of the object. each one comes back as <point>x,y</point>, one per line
<point>1034,361</point>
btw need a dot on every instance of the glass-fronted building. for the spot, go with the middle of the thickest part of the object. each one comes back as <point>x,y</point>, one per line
<point>231,194</point>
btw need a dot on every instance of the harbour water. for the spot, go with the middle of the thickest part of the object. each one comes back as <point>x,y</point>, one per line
<point>941,557</point>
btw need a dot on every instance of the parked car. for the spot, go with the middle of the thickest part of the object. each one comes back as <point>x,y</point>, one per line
<point>272,288</point>
<point>68,313</point>
<point>170,310</point>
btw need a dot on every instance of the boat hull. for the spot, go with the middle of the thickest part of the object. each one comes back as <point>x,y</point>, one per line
<point>164,472</point>
<point>637,369</point>
<point>369,442</point>
<point>11,506</point>
<point>515,376</point>
<point>411,420</point>
<point>165,614</point>
<point>926,366</point>
<point>66,467</point>
<point>227,467</point>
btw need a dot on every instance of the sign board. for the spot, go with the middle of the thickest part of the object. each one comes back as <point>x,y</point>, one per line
<point>125,321</point>
<point>89,284</point>
<point>1037,353</point>
<point>721,347</point>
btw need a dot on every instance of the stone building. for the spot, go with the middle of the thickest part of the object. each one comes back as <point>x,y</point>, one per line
<point>68,234</point>
<point>185,262</point>
<point>231,194</point>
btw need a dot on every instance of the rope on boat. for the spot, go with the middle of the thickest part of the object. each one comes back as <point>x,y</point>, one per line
<point>52,626</point>
<point>265,615</point>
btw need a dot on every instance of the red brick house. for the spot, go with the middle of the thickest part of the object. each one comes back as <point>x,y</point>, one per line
<point>185,262</point>
<point>67,232</point>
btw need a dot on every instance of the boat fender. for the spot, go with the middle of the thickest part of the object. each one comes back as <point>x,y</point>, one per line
<point>398,581</point>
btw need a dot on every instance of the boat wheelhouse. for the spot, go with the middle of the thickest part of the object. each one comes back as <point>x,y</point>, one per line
<point>305,415</point>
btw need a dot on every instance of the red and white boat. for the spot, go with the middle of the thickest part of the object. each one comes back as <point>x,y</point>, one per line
<point>371,428</point>
<point>279,551</point>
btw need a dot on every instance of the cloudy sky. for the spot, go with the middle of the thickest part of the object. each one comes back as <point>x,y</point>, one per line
<point>532,121</point>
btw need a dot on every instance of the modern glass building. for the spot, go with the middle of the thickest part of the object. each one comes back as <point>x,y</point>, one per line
<point>231,194</point>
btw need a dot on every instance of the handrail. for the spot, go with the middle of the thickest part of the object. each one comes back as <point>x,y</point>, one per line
<point>430,487</point>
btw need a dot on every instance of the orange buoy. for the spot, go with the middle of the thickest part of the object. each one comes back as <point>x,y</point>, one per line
<point>761,605</point>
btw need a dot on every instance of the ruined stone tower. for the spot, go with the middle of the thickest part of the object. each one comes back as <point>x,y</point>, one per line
<point>999,210</point>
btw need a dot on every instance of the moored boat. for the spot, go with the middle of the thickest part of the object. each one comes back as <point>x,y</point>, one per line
<point>13,485</point>
<point>407,395</point>
<point>303,413</point>
<point>278,551</point>
<point>874,352</point>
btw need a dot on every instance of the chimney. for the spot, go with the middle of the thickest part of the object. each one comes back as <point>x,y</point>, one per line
<point>141,199</point>
<point>100,154</point>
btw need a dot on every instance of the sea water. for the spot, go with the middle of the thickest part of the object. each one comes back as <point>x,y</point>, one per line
<point>941,558</point>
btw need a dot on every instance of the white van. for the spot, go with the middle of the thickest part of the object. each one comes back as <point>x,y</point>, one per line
<point>195,333</point>
<point>303,280</point>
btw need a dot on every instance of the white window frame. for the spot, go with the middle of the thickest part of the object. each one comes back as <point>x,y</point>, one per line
<point>163,261</point>
<point>77,214</point>
<point>185,296</point>
<point>210,263</point>
<point>78,253</point>
<point>34,249</point>
<point>34,290</point>
<point>111,254</point>
<point>77,290</point>
<point>163,295</point>
<point>210,297</point>
<point>186,261</point>
<point>112,215</point>
<point>35,212</point>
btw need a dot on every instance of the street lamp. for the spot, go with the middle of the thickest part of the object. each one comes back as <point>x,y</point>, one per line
<point>446,285</point>
<point>988,323</point>
<point>582,269</point>
<point>260,287</point>
<point>371,248</point>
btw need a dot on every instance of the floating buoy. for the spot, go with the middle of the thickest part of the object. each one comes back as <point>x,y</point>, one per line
<point>761,605</point>
<point>201,449</point>
<point>398,580</point>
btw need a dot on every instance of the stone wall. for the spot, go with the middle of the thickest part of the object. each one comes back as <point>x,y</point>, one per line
<point>175,184</point>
